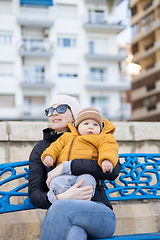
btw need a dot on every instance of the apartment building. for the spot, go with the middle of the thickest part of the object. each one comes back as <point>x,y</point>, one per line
<point>145,22</point>
<point>126,72</point>
<point>61,47</point>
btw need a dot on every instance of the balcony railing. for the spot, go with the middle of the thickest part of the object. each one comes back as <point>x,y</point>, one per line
<point>148,46</point>
<point>96,77</point>
<point>105,85</point>
<point>39,17</point>
<point>104,57</point>
<point>32,112</point>
<point>34,80</point>
<point>35,48</point>
<point>125,77</point>
<point>32,77</point>
<point>101,21</point>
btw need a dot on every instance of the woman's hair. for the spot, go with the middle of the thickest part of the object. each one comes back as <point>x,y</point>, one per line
<point>70,101</point>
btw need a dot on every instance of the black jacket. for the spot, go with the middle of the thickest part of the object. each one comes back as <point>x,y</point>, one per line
<point>37,187</point>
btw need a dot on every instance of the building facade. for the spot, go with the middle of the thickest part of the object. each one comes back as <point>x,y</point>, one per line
<point>145,22</point>
<point>61,47</point>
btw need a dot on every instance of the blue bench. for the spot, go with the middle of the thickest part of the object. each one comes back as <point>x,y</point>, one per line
<point>139,179</point>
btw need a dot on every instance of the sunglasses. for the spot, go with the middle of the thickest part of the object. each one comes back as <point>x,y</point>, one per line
<point>60,109</point>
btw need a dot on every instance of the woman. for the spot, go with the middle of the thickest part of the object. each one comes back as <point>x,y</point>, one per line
<point>72,216</point>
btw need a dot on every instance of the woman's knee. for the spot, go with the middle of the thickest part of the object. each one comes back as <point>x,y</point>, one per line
<point>59,207</point>
<point>76,232</point>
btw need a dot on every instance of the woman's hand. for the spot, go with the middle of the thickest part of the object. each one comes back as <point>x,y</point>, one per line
<point>75,192</point>
<point>54,173</point>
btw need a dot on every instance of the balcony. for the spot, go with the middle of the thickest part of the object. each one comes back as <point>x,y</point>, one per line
<point>104,57</point>
<point>33,112</point>
<point>145,112</point>
<point>141,14</point>
<point>104,85</point>
<point>35,48</point>
<point>149,30</point>
<point>146,72</point>
<point>103,2</point>
<point>36,17</point>
<point>102,23</point>
<point>148,51</point>
<point>36,80</point>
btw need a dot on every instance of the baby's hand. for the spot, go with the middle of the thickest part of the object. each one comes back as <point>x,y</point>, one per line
<point>48,161</point>
<point>107,166</point>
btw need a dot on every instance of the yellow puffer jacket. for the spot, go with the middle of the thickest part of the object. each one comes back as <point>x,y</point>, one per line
<point>72,146</point>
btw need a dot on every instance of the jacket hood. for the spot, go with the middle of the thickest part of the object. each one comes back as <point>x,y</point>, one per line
<point>108,127</point>
<point>72,128</point>
<point>50,134</point>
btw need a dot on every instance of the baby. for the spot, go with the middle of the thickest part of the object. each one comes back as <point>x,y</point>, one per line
<point>90,137</point>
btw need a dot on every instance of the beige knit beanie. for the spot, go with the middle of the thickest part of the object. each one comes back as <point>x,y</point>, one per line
<point>89,113</point>
<point>66,99</point>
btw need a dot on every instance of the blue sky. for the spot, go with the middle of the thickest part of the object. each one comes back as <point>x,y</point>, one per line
<point>123,13</point>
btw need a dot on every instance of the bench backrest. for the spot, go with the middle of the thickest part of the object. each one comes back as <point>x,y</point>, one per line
<point>139,179</point>
<point>13,172</point>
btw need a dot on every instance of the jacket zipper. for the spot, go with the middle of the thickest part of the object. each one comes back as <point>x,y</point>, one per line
<point>71,148</point>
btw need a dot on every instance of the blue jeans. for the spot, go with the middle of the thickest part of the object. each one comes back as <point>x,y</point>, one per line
<point>78,219</point>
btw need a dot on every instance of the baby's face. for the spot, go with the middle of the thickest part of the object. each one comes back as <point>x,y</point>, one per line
<point>88,127</point>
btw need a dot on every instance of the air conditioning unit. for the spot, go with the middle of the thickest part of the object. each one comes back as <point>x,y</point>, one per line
<point>23,29</point>
<point>46,32</point>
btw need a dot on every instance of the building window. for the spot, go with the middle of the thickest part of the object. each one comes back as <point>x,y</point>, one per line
<point>148,5</point>
<point>34,106</point>
<point>34,75</point>
<point>68,75</point>
<point>150,66</point>
<point>150,102</point>
<point>134,10</point>
<point>147,21</point>
<point>101,103</point>
<point>95,16</point>
<point>6,69</point>
<point>99,15</point>
<point>91,47</point>
<point>33,44</point>
<point>151,87</point>
<point>134,29</point>
<point>66,10</point>
<point>4,74</point>
<point>67,42</point>
<point>96,74</point>
<point>5,39</point>
<point>135,48</point>
<point>7,100</point>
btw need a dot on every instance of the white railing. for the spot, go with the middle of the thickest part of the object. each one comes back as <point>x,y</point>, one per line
<point>34,78</point>
<point>101,18</point>
<point>126,77</point>
<point>33,111</point>
<point>35,45</point>
<point>96,77</point>
<point>42,14</point>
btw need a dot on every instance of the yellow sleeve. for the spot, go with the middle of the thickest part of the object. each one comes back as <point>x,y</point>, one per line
<point>108,149</point>
<point>54,149</point>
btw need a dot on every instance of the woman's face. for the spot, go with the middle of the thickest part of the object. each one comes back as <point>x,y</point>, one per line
<point>59,121</point>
